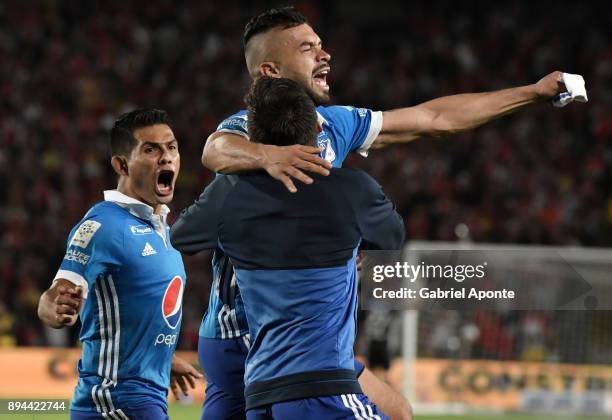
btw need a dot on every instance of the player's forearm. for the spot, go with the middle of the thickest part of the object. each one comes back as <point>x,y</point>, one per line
<point>46,311</point>
<point>398,408</point>
<point>387,399</point>
<point>452,114</point>
<point>230,153</point>
<point>458,113</point>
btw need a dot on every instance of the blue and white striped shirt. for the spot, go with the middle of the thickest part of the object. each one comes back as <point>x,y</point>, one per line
<point>133,279</point>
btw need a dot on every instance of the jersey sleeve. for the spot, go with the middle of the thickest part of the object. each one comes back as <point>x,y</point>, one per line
<point>236,124</point>
<point>197,227</point>
<point>380,225</point>
<point>359,367</point>
<point>355,128</point>
<point>94,247</point>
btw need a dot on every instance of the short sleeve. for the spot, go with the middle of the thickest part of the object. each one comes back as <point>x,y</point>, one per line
<point>355,128</point>
<point>93,248</point>
<point>236,124</point>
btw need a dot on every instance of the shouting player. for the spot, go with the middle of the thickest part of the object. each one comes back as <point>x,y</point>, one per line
<point>295,264</point>
<point>122,276</point>
<point>281,43</point>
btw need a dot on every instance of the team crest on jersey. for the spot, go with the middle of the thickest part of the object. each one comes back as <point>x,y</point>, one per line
<point>328,152</point>
<point>84,233</point>
<point>172,303</point>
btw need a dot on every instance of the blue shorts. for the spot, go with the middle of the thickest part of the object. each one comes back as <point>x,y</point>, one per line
<point>223,363</point>
<point>141,412</point>
<point>337,407</point>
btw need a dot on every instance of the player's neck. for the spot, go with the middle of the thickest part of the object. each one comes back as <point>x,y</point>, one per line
<point>126,188</point>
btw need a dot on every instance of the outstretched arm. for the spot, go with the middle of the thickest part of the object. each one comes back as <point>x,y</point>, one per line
<point>231,153</point>
<point>458,113</point>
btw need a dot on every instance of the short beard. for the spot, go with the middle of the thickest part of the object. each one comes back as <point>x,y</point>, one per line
<point>318,99</point>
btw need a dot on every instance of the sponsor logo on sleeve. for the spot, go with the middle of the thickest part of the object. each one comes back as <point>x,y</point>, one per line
<point>237,122</point>
<point>362,112</point>
<point>76,256</point>
<point>141,230</point>
<point>84,233</point>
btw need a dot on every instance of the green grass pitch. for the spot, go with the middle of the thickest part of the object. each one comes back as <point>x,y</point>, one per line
<point>192,412</point>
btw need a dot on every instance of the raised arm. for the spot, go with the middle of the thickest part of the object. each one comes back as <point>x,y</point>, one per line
<point>458,113</point>
<point>229,153</point>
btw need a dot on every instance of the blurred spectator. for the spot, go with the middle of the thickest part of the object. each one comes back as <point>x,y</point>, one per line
<point>7,327</point>
<point>68,68</point>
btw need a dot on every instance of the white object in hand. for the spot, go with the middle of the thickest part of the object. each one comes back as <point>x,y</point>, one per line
<point>574,83</point>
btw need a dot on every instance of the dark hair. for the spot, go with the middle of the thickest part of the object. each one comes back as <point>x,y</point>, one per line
<point>285,17</point>
<point>281,112</point>
<point>122,139</point>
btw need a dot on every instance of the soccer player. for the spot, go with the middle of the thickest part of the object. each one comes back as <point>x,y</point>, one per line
<point>281,43</point>
<point>295,264</point>
<point>126,281</point>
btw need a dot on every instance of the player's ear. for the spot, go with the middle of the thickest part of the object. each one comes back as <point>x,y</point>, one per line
<point>269,69</point>
<point>119,164</point>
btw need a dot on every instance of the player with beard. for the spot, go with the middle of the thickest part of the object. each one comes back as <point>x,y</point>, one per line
<point>281,43</point>
<point>300,289</point>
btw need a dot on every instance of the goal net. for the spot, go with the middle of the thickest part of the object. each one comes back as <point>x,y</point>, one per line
<point>537,358</point>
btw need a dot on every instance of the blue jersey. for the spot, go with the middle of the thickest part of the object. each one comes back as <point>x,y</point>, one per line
<point>346,129</point>
<point>133,280</point>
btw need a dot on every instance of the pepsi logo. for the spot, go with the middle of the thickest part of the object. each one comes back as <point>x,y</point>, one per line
<point>172,303</point>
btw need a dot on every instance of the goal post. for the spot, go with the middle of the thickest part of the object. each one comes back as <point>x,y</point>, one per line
<point>534,360</point>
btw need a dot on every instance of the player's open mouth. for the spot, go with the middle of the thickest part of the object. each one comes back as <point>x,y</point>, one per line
<point>320,78</point>
<point>165,183</point>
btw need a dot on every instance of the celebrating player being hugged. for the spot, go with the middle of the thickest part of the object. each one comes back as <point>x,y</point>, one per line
<point>295,264</point>
<point>122,276</point>
<point>281,43</point>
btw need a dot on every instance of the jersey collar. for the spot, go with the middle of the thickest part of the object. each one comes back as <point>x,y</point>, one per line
<point>321,119</point>
<point>136,207</point>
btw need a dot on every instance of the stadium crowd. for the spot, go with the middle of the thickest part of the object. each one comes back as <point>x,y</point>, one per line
<point>68,69</point>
